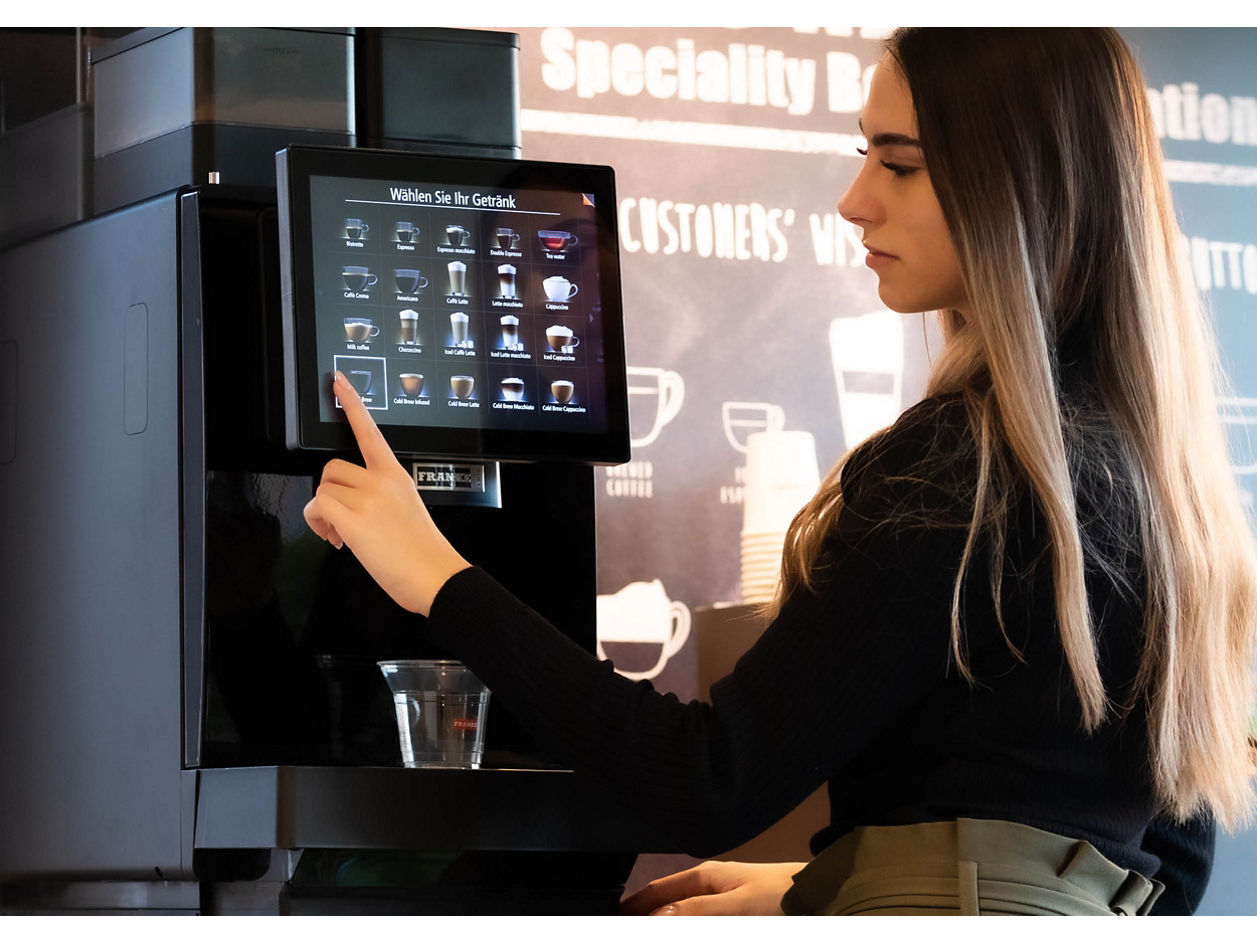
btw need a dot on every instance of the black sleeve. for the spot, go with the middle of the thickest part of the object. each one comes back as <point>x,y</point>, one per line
<point>830,673</point>
<point>1186,854</point>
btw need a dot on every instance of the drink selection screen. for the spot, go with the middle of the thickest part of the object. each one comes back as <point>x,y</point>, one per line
<point>460,306</point>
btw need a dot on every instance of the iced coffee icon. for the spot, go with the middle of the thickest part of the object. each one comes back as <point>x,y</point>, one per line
<point>510,333</point>
<point>360,329</point>
<point>461,386</point>
<point>560,339</point>
<point>507,239</point>
<point>410,326</point>
<point>556,240</point>
<point>358,277</point>
<point>558,289</point>
<point>407,233</point>
<point>412,384</point>
<point>458,330</point>
<point>458,279</point>
<point>361,380</point>
<point>356,230</point>
<point>562,390</point>
<point>409,280</point>
<point>513,389</point>
<point>456,236</point>
<point>506,281</point>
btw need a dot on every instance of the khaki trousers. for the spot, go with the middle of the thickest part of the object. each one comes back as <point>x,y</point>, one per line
<point>966,867</point>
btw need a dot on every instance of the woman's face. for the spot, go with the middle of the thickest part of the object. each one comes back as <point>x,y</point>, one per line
<point>893,201</point>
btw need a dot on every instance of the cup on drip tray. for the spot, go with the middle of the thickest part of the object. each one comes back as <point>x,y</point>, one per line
<point>441,708</point>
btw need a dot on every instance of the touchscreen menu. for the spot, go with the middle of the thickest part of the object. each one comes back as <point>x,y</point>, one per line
<point>464,301</point>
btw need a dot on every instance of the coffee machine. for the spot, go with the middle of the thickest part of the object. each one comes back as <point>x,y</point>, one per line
<point>191,714</point>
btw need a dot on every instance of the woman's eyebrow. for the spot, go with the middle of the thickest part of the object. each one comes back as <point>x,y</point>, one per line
<point>890,140</point>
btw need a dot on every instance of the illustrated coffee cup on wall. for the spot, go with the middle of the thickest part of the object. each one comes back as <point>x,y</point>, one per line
<point>356,230</point>
<point>462,386</point>
<point>558,289</point>
<point>556,240</point>
<point>358,277</point>
<point>360,329</point>
<point>409,280</point>
<point>410,325</point>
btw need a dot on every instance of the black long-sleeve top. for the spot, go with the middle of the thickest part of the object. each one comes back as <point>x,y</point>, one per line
<point>857,686</point>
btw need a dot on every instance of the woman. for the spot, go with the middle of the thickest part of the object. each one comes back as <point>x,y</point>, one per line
<point>1016,629</point>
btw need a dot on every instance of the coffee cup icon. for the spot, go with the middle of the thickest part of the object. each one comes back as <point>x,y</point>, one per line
<point>506,281</point>
<point>513,389</point>
<point>409,280</point>
<point>556,240</point>
<point>642,613</point>
<point>868,358</point>
<point>456,236</point>
<point>560,339</point>
<point>358,277</point>
<point>558,289</point>
<point>407,233</point>
<point>510,332</point>
<point>743,419</point>
<point>562,390</point>
<point>361,380</point>
<point>458,329</point>
<point>356,230</point>
<point>409,325</point>
<point>458,279</point>
<point>462,386</point>
<point>412,384</point>
<point>360,329</point>
<point>655,399</point>
<point>507,239</point>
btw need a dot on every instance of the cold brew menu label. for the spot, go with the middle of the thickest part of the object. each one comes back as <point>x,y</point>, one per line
<point>459,306</point>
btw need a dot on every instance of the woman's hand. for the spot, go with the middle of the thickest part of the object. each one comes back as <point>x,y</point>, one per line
<point>377,512</point>
<point>715,888</point>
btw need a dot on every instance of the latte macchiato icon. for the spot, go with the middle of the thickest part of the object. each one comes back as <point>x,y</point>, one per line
<point>360,329</point>
<point>409,280</point>
<point>556,240</point>
<point>356,230</point>
<point>558,289</point>
<point>506,281</point>
<point>412,384</point>
<point>560,339</point>
<point>358,277</point>
<point>513,389</point>
<point>562,390</point>
<point>462,386</point>
<point>510,333</point>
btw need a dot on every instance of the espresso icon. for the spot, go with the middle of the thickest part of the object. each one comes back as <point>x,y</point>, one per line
<point>358,277</point>
<point>361,380</point>
<point>356,230</point>
<point>556,240</point>
<point>458,278</point>
<point>360,329</point>
<point>510,333</point>
<point>562,390</point>
<point>513,389</point>
<point>409,280</point>
<point>407,233</point>
<point>412,384</point>
<point>506,281</point>
<point>507,239</point>
<point>560,339</point>
<point>410,326</point>
<point>458,328</point>
<point>456,236</point>
<point>558,289</point>
<point>462,386</point>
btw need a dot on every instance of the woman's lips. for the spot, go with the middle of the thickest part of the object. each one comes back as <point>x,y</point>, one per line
<point>877,259</point>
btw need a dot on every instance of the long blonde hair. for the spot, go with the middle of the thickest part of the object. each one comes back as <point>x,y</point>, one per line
<point>1042,151</point>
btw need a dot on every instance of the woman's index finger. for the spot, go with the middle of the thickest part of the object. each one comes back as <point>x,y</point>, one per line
<point>375,450</point>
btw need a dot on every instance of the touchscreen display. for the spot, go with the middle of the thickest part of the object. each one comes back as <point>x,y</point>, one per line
<point>467,302</point>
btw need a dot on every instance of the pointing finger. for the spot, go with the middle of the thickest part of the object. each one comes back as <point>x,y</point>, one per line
<point>371,443</point>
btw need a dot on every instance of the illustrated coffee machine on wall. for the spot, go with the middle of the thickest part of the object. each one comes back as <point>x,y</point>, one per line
<point>190,710</point>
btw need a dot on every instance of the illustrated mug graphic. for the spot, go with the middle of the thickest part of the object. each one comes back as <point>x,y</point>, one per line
<point>356,230</point>
<point>655,399</point>
<point>743,419</point>
<point>558,289</point>
<point>358,277</point>
<point>868,357</point>
<point>360,329</point>
<point>642,613</point>
<point>409,280</point>
<point>556,240</point>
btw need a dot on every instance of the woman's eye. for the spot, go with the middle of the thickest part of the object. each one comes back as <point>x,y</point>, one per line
<point>899,170</point>
<point>862,151</point>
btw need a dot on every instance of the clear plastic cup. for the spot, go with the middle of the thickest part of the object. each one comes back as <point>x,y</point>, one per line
<point>441,708</point>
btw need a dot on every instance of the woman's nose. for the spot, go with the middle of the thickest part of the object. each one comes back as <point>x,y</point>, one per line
<point>859,205</point>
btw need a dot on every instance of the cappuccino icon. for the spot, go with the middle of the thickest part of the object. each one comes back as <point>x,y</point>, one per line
<point>356,230</point>
<point>558,289</point>
<point>409,280</point>
<point>506,281</point>
<point>410,326</point>
<point>510,333</point>
<point>513,389</point>
<point>407,233</point>
<point>458,279</point>
<point>458,330</point>
<point>655,399</point>
<point>456,236</point>
<point>642,614</point>
<point>562,390</point>
<point>556,240</point>
<point>360,329</point>
<point>560,339</point>
<point>412,384</point>
<point>358,277</point>
<point>461,386</point>
<point>507,239</point>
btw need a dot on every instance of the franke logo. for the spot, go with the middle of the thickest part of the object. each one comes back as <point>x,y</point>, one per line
<point>448,477</point>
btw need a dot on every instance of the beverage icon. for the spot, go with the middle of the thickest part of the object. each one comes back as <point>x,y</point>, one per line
<point>407,233</point>
<point>458,330</point>
<point>642,613</point>
<point>507,239</point>
<point>513,389</point>
<point>358,277</point>
<point>361,380</point>
<point>458,279</point>
<point>356,230</point>
<point>743,419</point>
<point>510,333</point>
<point>409,280</point>
<point>409,326</point>
<point>560,339</point>
<point>558,289</point>
<point>655,399</point>
<point>556,240</point>
<point>506,281</point>
<point>412,384</point>
<point>360,329</point>
<point>456,236</point>
<point>562,390</point>
<point>462,386</point>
